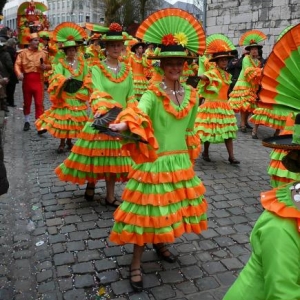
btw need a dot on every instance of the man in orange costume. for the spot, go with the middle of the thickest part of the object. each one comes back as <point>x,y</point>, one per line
<point>29,68</point>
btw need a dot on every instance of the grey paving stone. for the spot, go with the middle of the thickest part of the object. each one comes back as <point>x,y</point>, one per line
<point>139,296</point>
<point>83,268</point>
<point>206,283</point>
<point>78,235</point>
<point>108,277</point>
<point>63,259</point>
<point>65,284</point>
<point>112,251</point>
<point>83,281</point>
<point>163,292</point>
<point>213,267</point>
<point>105,264</point>
<point>77,294</point>
<point>68,228</point>
<point>44,275</point>
<point>151,267</point>
<point>96,244</point>
<point>224,241</point>
<point>226,278</point>
<point>187,287</point>
<point>46,287</point>
<point>192,272</point>
<point>72,219</point>
<point>98,233</point>
<point>232,263</point>
<point>75,246</point>
<point>62,271</point>
<point>121,287</point>
<point>88,255</point>
<point>150,281</point>
<point>58,238</point>
<point>172,276</point>
<point>86,225</point>
<point>58,248</point>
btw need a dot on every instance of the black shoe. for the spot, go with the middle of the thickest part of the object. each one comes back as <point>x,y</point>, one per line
<point>248,126</point>
<point>243,129</point>
<point>162,251</point>
<point>6,109</point>
<point>136,285</point>
<point>12,105</point>
<point>254,135</point>
<point>90,197</point>
<point>26,126</point>
<point>206,157</point>
<point>42,131</point>
<point>233,161</point>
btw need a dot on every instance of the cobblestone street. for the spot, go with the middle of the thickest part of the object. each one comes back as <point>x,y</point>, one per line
<point>54,245</point>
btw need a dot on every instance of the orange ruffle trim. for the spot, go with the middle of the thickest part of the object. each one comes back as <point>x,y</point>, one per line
<point>163,199</point>
<point>134,238</point>
<point>139,124</point>
<point>270,202</point>
<point>161,221</point>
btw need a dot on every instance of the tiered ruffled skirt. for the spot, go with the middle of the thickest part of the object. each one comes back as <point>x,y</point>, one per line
<point>216,121</point>
<point>95,156</point>
<point>161,201</point>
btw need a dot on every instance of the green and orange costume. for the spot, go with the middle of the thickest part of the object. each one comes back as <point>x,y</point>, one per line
<point>96,155</point>
<point>163,197</point>
<point>216,121</point>
<point>273,270</point>
<point>244,94</point>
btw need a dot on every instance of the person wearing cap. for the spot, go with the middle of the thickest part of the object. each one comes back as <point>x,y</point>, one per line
<point>216,121</point>
<point>29,68</point>
<point>243,97</point>
<point>163,197</point>
<point>68,90</point>
<point>95,155</point>
<point>273,270</point>
<point>138,63</point>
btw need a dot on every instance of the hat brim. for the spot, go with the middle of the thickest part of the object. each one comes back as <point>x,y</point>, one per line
<point>137,45</point>
<point>214,59</point>
<point>171,56</point>
<point>283,142</point>
<point>252,46</point>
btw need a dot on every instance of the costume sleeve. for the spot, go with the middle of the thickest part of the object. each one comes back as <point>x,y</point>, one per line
<point>280,259</point>
<point>18,65</point>
<point>252,74</point>
<point>140,125</point>
<point>56,83</point>
<point>192,138</point>
<point>210,87</point>
<point>86,89</point>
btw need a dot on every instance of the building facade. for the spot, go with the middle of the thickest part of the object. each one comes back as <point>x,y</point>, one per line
<point>235,17</point>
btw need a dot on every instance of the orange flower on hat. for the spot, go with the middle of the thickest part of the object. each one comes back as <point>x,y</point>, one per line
<point>115,27</point>
<point>168,40</point>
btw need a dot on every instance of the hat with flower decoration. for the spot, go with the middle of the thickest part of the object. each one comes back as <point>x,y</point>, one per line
<point>69,34</point>
<point>45,35</point>
<point>218,45</point>
<point>95,36</point>
<point>252,38</point>
<point>175,30</point>
<point>115,33</point>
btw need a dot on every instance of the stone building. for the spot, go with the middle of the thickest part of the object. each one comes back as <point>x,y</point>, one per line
<point>235,17</point>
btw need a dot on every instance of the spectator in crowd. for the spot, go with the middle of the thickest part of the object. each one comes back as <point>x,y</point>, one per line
<point>13,80</point>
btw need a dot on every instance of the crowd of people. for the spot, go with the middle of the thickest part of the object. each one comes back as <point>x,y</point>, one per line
<point>152,142</point>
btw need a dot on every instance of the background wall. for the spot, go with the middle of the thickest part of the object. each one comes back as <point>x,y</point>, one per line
<point>234,17</point>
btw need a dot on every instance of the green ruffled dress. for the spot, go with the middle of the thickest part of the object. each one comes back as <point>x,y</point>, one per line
<point>95,155</point>
<point>164,197</point>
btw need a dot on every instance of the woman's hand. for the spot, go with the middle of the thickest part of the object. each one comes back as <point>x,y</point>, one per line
<point>118,127</point>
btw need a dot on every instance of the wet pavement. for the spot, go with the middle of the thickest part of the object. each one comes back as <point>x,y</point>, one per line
<point>54,244</point>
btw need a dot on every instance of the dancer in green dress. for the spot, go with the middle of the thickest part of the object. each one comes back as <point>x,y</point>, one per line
<point>163,198</point>
<point>96,156</point>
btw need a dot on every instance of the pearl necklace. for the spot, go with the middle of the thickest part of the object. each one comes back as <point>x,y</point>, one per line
<point>72,63</point>
<point>179,92</point>
<point>114,69</point>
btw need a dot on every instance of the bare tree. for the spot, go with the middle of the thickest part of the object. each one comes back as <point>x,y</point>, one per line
<point>111,8</point>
